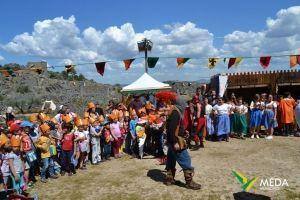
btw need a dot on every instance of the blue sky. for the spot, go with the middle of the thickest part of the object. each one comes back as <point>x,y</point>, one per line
<point>219,18</point>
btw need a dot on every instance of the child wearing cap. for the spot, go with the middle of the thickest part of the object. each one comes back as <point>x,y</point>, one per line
<point>107,140</point>
<point>17,169</point>
<point>132,125</point>
<point>95,132</point>
<point>81,137</point>
<point>43,143</point>
<point>116,134</point>
<point>28,150</point>
<point>13,167</point>
<point>68,149</point>
<point>141,136</point>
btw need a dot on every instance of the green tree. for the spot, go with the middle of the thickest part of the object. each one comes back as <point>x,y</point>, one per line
<point>23,89</point>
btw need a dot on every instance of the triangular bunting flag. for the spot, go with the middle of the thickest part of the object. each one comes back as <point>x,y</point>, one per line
<point>294,60</point>
<point>100,66</point>
<point>265,61</point>
<point>212,62</point>
<point>234,61</point>
<point>69,68</point>
<point>224,60</point>
<point>181,61</point>
<point>238,60</point>
<point>231,62</point>
<point>152,61</point>
<point>127,63</point>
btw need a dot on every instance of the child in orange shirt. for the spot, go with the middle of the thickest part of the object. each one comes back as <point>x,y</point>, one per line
<point>43,143</point>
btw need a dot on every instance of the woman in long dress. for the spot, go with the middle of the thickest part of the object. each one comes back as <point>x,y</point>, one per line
<point>222,111</point>
<point>269,117</point>
<point>255,116</point>
<point>240,120</point>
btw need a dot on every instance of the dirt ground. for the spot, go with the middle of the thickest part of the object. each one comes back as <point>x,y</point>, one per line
<point>128,178</point>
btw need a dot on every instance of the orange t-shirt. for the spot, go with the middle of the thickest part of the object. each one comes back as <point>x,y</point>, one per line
<point>286,106</point>
<point>3,139</point>
<point>15,141</point>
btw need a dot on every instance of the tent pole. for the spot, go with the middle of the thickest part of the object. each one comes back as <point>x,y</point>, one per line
<point>146,55</point>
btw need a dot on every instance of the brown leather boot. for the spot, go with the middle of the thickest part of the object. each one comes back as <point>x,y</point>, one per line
<point>169,179</point>
<point>189,183</point>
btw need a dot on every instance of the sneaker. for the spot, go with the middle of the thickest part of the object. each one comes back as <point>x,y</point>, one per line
<point>70,174</point>
<point>257,136</point>
<point>43,180</point>
<point>252,137</point>
<point>54,176</point>
<point>62,173</point>
<point>270,137</point>
<point>30,184</point>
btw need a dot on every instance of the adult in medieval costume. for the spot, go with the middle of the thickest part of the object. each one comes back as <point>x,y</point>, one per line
<point>286,107</point>
<point>177,151</point>
<point>200,123</point>
<point>297,114</point>
<point>239,124</point>
<point>269,116</point>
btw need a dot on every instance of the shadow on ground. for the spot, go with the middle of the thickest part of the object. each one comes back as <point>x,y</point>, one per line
<point>156,175</point>
<point>249,196</point>
<point>159,176</point>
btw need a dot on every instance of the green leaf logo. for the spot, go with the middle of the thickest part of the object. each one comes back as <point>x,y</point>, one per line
<point>246,184</point>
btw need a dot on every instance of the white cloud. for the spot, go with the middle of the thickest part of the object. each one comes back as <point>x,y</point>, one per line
<point>282,34</point>
<point>1,58</point>
<point>61,38</point>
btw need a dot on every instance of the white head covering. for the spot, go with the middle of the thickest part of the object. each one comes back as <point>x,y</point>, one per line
<point>9,110</point>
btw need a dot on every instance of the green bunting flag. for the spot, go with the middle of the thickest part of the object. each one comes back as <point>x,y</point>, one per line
<point>152,61</point>
<point>181,61</point>
<point>127,63</point>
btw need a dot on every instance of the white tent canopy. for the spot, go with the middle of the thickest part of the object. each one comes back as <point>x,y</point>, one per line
<point>145,83</point>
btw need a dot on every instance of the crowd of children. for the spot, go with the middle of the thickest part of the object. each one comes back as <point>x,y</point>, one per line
<point>66,142</point>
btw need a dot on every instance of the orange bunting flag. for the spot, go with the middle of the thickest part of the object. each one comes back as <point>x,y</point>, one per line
<point>234,61</point>
<point>127,63</point>
<point>294,60</point>
<point>100,66</point>
<point>181,61</point>
<point>265,61</point>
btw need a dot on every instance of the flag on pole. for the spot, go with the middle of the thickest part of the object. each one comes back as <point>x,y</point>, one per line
<point>294,60</point>
<point>152,61</point>
<point>100,66</point>
<point>234,61</point>
<point>127,63</point>
<point>69,68</point>
<point>265,61</point>
<point>212,62</point>
<point>181,61</point>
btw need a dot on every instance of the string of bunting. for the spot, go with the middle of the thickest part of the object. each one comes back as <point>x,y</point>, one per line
<point>152,61</point>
